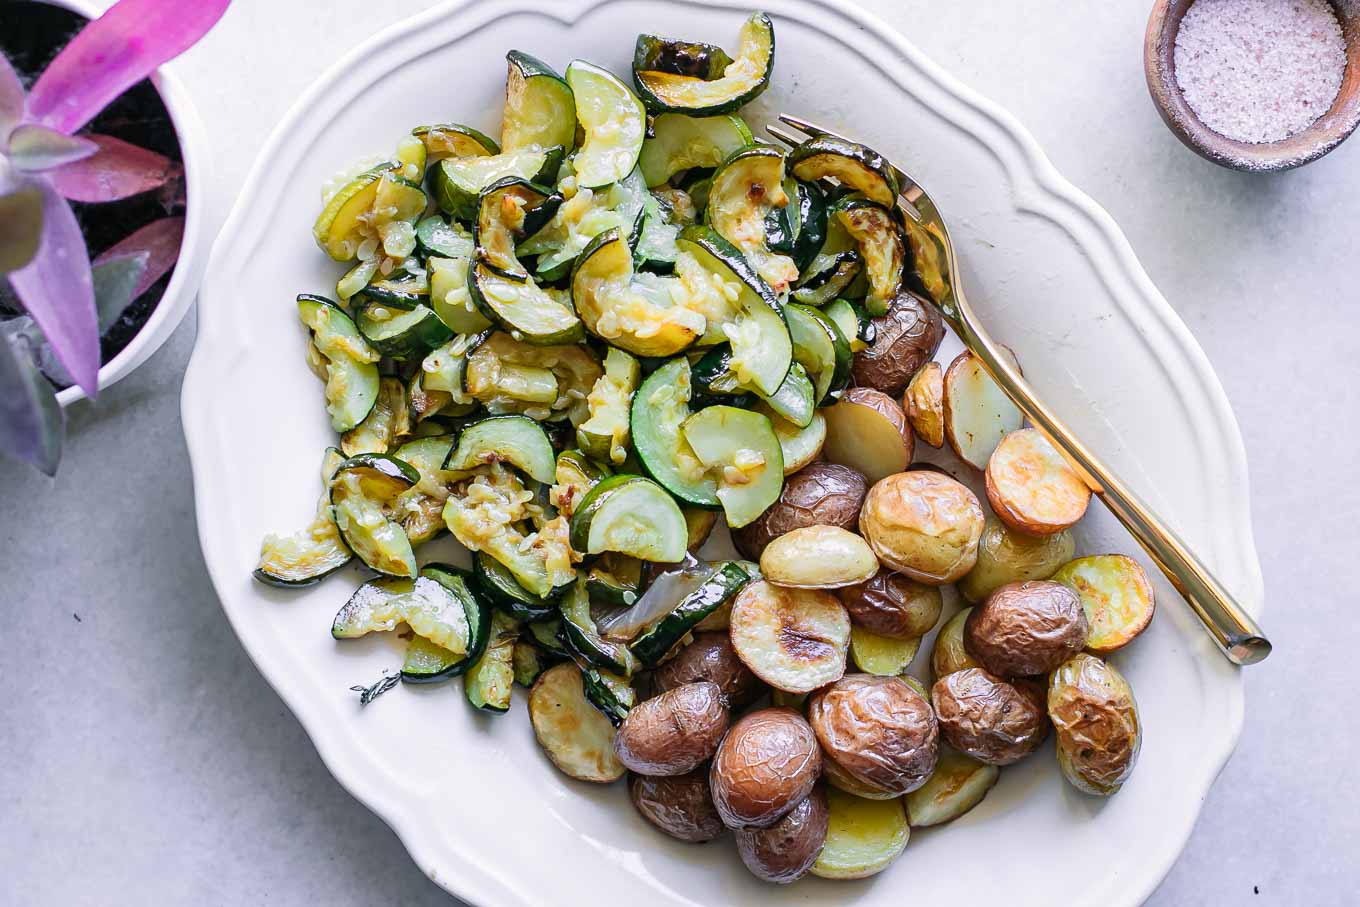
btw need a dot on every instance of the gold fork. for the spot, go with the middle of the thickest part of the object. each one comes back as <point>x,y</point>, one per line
<point>1235,632</point>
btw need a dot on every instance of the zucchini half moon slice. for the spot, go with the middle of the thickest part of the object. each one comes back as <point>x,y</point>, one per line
<point>716,590</point>
<point>660,408</point>
<point>745,189</point>
<point>516,440</point>
<point>540,110</point>
<point>364,492</point>
<point>633,516</point>
<point>454,140</point>
<point>312,554</point>
<point>881,246</point>
<point>583,217</point>
<point>350,216</point>
<point>432,609</point>
<point>348,365</point>
<point>458,181</point>
<point>740,448</point>
<point>636,312</point>
<point>605,435</point>
<point>429,662</point>
<point>856,167</point>
<point>742,80</point>
<point>679,142</point>
<point>614,123</point>
<point>522,307</point>
<point>821,348</point>
<point>507,210</point>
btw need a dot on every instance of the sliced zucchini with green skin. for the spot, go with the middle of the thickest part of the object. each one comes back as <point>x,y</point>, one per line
<point>740,447</point>
<point>500,588</point>
<point>613,695</point>
<point>398,334</point>
<point>720,587</point>
<point>633,516</point>
<point>528,661</point>
<point>660,408</point>
<point>656,249</point>
<point>308,556</point>
<point>523,308</point>
<point>615,580</point>
<point>683,58</point>
<point>854,166</point>
<point>363,492</point>
<point>421,509</point>
<point>761,348</point>
<point>458,181</point>
<point>583,217</point>
<point>544,382</point>
<point>517,440</point>
<point>431,609</point>
<point>821,348</point>
<point>716,382</point>
<point>795,401</point>
<point>399,290</point>
<point>427,662</point>
<point>576,474</point>
<point>547,635</point>
<point>507,210</point>
<point>582,637</point>
<point>827,277</point>
<point>389,420</point>
<point>698,192</point>
<point>491,677</point>
<point>450,296</point>
<point>350,364</point>
<point>613,121</point>
<point>742,80</point>
<point>437,237</point>
<point>540,111</point>
<point>635,312</point>
<point>812,221</point>
<point>881,247</point>
<point>859,331</point>
<point>349,219</point>
<point>926,273</point>
<point>746,188</point>
<point>679,142</point>
<point>799,446</point>
<point>784,224</point>
<point>454,140</point>
<point>605,434</point>
<point>442,369</point>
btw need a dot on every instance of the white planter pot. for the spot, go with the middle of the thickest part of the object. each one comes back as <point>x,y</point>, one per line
<point>193,253</point>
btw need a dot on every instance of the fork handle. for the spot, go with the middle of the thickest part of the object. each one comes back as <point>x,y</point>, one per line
<point>1231,627</point>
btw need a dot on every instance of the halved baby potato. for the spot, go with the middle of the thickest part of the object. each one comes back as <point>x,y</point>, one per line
<point>818,557</point>
<point>1116,596</point>
<point>575,735</point>
<point>868,432</point>
<point>795,640</point>
<point>863,836</point>
<point>924,524</point>
<point>924,404</point>
<point>977,412</point>
<point>958,783</point>
<point>842,780</point>
<point>1031,487</point>
<point>882,655</point>
<point>949,655</point>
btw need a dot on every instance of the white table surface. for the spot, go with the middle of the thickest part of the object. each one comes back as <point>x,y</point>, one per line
<point>143,759</point>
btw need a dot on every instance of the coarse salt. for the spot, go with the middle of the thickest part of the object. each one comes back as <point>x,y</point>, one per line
<point>1259,70</point>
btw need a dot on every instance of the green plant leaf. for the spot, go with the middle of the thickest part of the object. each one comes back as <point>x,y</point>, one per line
<point>116,281</point>
<point>31,421</point>
<point>21,220</point>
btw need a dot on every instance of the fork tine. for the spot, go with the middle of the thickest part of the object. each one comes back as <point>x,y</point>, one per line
<point>804,126</point>
<point>784,135</point>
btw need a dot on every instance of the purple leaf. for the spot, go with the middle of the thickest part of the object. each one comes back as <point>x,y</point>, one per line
<point>31,420</point>
<point>115,52</point>
<point>56,289</point>
<point>118,171</point>
<point>11,98</point>
<point>160,241</point>
<point>21,221</point>
<point>34,148</point>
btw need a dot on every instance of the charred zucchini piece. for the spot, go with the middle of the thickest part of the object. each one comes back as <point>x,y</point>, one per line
<point>584,640</point>
<point>812,219</point>
<point>616,580</point>
<point>500,588</point>
<point>611,694</point>
<point>829,275</point>
<point>512,439</point>
<point>656,248</point>
<point>454,140</point>
<point>508,210</point>
<point>459,181</point>
<point>741,81</point>
<point>660,408</point>
<point>681,58</point>
<point>491,677</point>
<point>715,590</point>
<point>547,635</point>
<point>746,188</point>
<point>310,555</point>
<point>854,166</point>
<point>613,122</point>
<point>363,493</point>
<point>633,516</point>
<point>739,448</point>
<point>605,434</point>
<point>361,209</point>
<point>540,110</point>
<point>881,248</point>
<point>428,607</point>
<point>347,363</point>
<point>428,662</point>
<point>679,142</point>
<point>399,290</point>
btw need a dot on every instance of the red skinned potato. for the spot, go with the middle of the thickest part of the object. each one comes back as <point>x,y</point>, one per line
<point>924,524</point>
<point>904,339</point>
<point>767,763</point>
<point>680,806</point>
<point>1024,629</point>
<point>673,733</point>
<point>867,431</point>
<point>820,493</point>
<point>1032,488</point>
<point>1096,720</point>
<point>893,605</point>
<point>987,718</point>
<point>878,729</point>
<point>786,850</point>
<point>711,657</point>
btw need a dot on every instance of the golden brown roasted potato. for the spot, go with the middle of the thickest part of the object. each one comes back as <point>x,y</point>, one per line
<point>989,719</point>
<point>1031,487</point>
<point>766,765</point>
<point>818,557</point>
<point>904,340</point>
<point>711,657</point>
<point>796,640</point>
<point>894,605</point>
<point>681,805</point>
<point>673,733</point>
<point>1007,556</point>
<point>1024,629</point>
<point>923,401</point>
<point>924,524</point>
<point>1095,719</point>
<point>958,783</point>
<point>867,431</point>
<point>878,729</point>
<point>820,493</point>
<point>949,654</point>
<point>1116,596</point>
<point>786,850</point>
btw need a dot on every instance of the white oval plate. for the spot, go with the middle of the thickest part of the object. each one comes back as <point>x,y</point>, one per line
<point>478,807</point>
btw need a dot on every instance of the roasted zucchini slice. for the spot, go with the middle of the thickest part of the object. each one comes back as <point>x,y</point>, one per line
<point>828,276</point>
<point>528,662</point>
<point>795,401</point>
<point>543,382</point>
<point>364,492</point>
<point>504,593</point>
<point>854,326</point>
<point>615,579</point>
<point>312,554</point>
<point>613,122</point>
<point>547,635</point>
<point>454,140</point>
<point>681,58</point>
<point>438,238</point>
<point>679,142</point>
<point>605,435</point>
<point>523,308</point>
<point>540,110</point>
<point>427,661</point>
<point>719,587</point>
<point>660,408</point>
<point>854,166</point>
<point>450,296</point>
<point>420,508</point>
<point>358,211</point>
<point>459,181</point>
<point>431,609</point>
<point>399,290</point>
<point>491,677</point>
<point>715,381</point>
<point>636,312</point>
<point>633,516</point>
<point>740,449</point>
<point>343,359</point>
<point>397,333</point>
<point>584,639</point>
<point>508,210</point>
<point>656,248</point>
<point>385,425</point>
<point>881,247</point>
<point>746,188</point>
<point>575,735</point>
<point>581,218</point>
<point>821,348</point>
<point>810,204</point>
<point>613,695</point>
<point>576,474</point>
<point>512,439</point>
<point>742,80</point>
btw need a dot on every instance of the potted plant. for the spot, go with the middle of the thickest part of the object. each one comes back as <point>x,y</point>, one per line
<point>99,241</point>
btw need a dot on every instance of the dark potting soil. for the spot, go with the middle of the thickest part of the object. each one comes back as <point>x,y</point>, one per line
<point>31,34</point>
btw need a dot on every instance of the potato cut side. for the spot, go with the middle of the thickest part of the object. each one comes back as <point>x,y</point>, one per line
<point>842,780</point>
<point>577,737</point>
<point>1031,487</point>
<point>924,404</point>
<point>868,432</point>
<point>958,783</point>
<point>1116,596</point>
<point>818,557</point>
<point>882,655</point>
<point>863,838</point>
<point>795,640</point>
<point>977,412</point>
